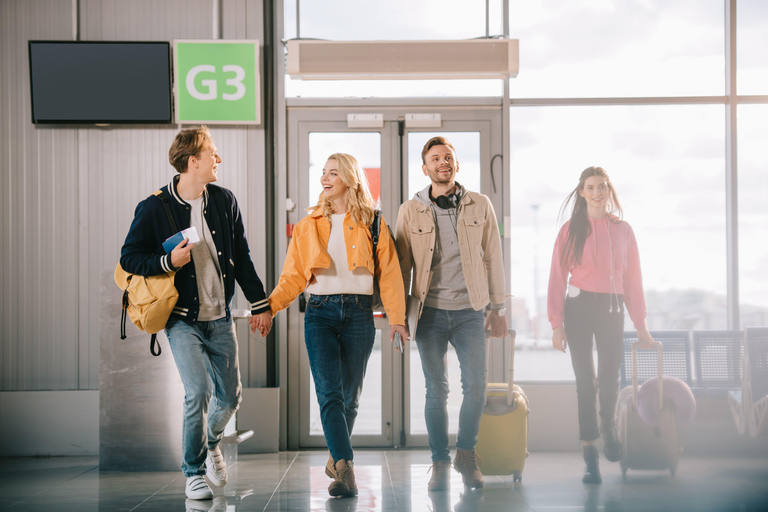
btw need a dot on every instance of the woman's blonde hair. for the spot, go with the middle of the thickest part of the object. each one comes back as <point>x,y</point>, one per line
<point>359,198</point>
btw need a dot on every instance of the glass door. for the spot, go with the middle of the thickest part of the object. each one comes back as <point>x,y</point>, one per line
<point>392,404</point>
<point>318,140</point>
<point>469,139</point>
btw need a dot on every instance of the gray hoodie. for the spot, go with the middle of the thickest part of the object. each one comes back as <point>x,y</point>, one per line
<point>448,289</point>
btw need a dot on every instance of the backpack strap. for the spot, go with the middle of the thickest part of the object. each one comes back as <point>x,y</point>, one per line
<point>154,346</point>
<point>124,314</point>
<point>375,231</point>
<point>167,208</point>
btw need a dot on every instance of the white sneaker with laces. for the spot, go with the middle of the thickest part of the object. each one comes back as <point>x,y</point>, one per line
<point>197,489</point>
<point>216,468</point>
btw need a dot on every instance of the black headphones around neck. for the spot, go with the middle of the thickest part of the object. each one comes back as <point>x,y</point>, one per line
<point>446,202</point>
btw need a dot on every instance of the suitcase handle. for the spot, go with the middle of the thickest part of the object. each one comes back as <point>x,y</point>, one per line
<point>511,369</point>
<point>659,347</point>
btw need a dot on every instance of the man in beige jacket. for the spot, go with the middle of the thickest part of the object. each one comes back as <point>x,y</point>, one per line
<point>449,238</point>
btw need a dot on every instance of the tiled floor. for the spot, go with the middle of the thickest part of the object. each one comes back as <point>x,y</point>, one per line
<point>388,481</point>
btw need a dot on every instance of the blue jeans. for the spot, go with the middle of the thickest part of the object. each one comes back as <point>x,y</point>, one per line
<point>206,356</point>
<point>339,334</point>
<point>465,330</point>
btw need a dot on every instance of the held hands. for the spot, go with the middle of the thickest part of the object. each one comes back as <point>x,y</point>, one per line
<point>180,254</point>
<point>402,330</point>
<point>262,322</point>
<point>559,339</point>
<point>645,338</point>
<point>497,324</point>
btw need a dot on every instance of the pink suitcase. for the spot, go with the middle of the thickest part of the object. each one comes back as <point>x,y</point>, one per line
<point>645,446</point>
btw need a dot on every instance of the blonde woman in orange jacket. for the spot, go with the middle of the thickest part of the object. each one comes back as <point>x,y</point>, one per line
<point>330,256</point>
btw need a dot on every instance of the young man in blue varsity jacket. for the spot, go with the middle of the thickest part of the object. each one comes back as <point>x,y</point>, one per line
<point>201,332</point>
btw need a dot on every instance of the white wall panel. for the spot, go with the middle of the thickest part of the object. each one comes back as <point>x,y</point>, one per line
<point>118,167</point>
<point>69,192</point>
<point>146,20</point>
<point>39,226</point>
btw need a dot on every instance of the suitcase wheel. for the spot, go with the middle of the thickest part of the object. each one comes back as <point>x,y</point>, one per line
<point>518,476</point>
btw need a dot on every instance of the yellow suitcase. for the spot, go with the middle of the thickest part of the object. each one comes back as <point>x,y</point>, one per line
<point>502,441</point>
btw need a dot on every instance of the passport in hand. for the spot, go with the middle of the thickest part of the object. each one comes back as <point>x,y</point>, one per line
<point>171,243</point>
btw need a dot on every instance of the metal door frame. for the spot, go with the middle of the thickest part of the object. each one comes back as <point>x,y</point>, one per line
<point>305,116</point>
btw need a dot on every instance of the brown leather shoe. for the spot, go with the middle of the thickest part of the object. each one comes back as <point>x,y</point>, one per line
<point>330,467</point>
<point>441,476</point>
<point>466,464</point>
<point>344,483</point>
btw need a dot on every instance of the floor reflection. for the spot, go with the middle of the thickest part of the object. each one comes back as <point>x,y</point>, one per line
<point>387,481</point>
<point>217,504</point>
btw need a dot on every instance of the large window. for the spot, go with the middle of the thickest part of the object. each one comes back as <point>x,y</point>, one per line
<point>667,164</point>
<point>666,157</point>
<point>753,214</point>
<point>629,48</point>
<point>752,46</point>
<point>352,20</point>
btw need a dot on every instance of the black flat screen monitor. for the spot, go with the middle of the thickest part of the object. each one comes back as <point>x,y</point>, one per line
<point>100,82</point>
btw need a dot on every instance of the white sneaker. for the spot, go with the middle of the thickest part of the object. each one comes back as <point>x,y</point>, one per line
<point>216,468</point>
<point>197,489</point>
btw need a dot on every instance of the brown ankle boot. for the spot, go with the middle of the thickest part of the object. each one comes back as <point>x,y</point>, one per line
<point>466,464</point>
<point>330,467</point>
<point>344,482</point>
<point>441,476</point>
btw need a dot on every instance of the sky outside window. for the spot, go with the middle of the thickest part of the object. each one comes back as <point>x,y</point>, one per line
<point>753,214</point>
<point>590,48</point>
<point>603,48</point>
<point>667,161</point>
<point>667,164</point>
<point>752,46</point>
<point>352,20</point>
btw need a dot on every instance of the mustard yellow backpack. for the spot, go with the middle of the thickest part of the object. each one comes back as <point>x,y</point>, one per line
<point>148,300</point>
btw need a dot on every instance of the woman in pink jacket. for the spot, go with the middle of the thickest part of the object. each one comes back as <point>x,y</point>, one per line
<point>599,252</point>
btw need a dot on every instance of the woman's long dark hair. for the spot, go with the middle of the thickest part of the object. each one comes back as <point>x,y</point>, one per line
<point>580,227</point>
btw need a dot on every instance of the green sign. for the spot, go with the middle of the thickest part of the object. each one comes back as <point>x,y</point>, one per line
<point>217,82</point>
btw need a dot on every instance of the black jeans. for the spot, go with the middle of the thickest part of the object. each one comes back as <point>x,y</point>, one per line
<point>601,316</point>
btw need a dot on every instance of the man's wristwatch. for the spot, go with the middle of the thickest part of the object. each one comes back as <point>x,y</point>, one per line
<point>501,312</point>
